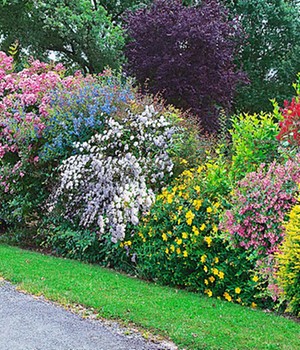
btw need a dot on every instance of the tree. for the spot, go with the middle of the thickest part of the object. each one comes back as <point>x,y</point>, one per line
<point>270,54</point>
<point>80,32</point>
<point>186,54</point>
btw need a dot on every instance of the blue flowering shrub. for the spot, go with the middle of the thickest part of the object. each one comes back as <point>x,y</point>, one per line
<point>78,113</point>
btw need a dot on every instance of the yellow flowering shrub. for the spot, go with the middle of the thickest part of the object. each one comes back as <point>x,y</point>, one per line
<point>179,242</point>
<point>289,262</point>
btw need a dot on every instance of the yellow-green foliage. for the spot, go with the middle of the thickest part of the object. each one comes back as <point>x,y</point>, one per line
<point>289,262</point>
<point>253,142</point>
<point>14,49</point>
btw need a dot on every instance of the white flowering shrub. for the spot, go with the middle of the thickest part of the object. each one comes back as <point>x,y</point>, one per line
<point>111,179</point>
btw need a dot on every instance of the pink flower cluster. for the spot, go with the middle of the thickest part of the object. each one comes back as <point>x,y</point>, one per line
<point>6,64</point>
<point>260,204</point>
<point>24,98</point>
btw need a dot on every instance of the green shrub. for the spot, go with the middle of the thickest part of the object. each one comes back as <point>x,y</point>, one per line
<point>73,244</point>
<point>253,142</point>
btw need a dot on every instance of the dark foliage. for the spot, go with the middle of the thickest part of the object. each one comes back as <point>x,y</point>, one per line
<point>3,226</point>
<point>186,54</point>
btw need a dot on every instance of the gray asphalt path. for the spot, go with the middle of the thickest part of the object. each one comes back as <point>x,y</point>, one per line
<point>28,323</point>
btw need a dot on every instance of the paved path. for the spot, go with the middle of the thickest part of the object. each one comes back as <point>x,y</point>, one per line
<point>28,323</point>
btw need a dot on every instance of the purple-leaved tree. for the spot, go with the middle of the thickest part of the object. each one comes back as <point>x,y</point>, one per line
<point>186,54</point>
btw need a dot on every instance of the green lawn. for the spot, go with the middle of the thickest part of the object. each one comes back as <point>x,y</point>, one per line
<point>190,320</point>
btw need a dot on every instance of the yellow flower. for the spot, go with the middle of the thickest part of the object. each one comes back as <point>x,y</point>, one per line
<point>255,279</point>
<point>173,216</point>
<point>178,251</point>
<point>189,217</point>
<point>239,300</point>
<point>217,205</point>
<point>172,248</point>
<point>253,305</point>
<point>212,279</point>
<point>128,243</point>
<point>209,210</point>
<point>237,290</point>
<point>185,235</point>
<point>203,258</point>
<point>215,271</point>
<point>179,221</point>
<point>221,275</point>
<point>164,192</point>
<point>183,161</point>
<point>205,268</point>
<point>167,250</point>
<point>170,198</point>
<point>178,241</point>
<point>186,195</point>
<point>227,296</point>
<point>208,292</point>
<point>197,203</point>
<point>215,228</point>
<point>185,254</point>
<point>216,260</point>
<point>195,231</point>
<point>206,282</point>
<point>208,240</point>
<point>200,168</point>
<point>188,173</point>
<point>197,188</point>
<point>164,237</point>
<point>202,227</point>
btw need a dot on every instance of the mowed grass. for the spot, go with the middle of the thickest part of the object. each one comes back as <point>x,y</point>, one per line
<point>190,320</point>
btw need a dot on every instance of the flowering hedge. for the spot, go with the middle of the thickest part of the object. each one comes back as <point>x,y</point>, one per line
<point>23,115</point>
<point>100,157</point>
<point>259,206</point>
<point>108,183</point>
<point>179,243</point>
<point>47,118</point>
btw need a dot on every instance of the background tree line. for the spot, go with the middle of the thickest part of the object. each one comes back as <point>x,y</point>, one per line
<point>93,34</point>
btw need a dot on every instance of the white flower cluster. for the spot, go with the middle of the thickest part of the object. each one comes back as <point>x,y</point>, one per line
<point>110,181</point>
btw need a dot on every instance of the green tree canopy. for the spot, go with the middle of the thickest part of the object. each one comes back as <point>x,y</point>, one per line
<point>80,32</point>
<point>271,51</point>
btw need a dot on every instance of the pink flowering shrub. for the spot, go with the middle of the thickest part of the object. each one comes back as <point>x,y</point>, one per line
<point>33,104</point>
<point>24,100</point>
<point>259,206</point>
